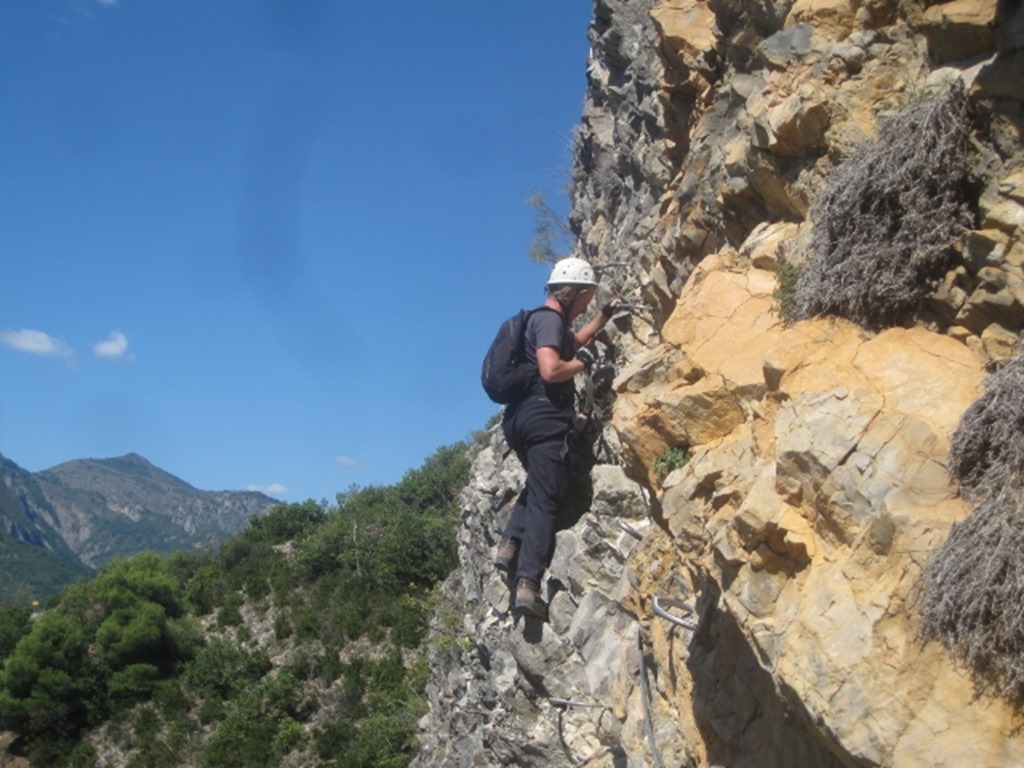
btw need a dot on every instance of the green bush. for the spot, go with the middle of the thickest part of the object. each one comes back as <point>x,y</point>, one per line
<point>230,613</point>
<point>394,537</point>
<point>382,701</point>
<point>282,626</point>
<point>150,746</point>
<point>82,756</point>
<point>286,522</point>
<point>222,669</point>
<point>133,683</point>
<point>674,457</point>
<point>334,738</point>
<point>259,727</point>
<point>242,740</point>
<point>206,588</point>
<point>354,680</point>
<point>14,623</point>
<point>788,278</point>
<point>104,644</point>
<point>290,735</point>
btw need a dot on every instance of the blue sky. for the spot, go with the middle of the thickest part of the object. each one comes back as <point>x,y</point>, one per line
<point>265,244</point>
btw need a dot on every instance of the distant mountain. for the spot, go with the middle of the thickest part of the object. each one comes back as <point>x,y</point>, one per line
<point>61,523</point>
<point>34,560</point>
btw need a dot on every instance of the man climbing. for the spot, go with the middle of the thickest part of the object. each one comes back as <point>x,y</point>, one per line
<point>539,428</point>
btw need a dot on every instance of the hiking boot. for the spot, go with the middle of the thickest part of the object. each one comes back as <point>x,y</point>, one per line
<point>528,601</point>
<point>505,556</point>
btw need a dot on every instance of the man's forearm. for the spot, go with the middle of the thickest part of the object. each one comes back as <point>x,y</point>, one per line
<point>587,333</point>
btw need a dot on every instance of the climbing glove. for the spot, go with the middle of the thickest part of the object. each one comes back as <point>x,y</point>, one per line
<point>586,356</point>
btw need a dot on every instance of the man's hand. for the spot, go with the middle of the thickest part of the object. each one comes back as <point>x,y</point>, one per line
<point>586,356</point>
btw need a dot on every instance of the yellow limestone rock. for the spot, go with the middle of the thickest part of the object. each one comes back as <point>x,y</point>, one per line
<point>726,321</point>
<point>960,29</point>
<point>730,311</point>
<point>822,498</point>
<point>689,30</point>
<point>832,17</point>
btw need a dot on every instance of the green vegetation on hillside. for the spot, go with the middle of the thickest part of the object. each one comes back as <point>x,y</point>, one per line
<point>35,562</point>
<point>22,563</point>
<point>302,635</point>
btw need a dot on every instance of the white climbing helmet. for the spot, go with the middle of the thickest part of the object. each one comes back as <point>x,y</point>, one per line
<point>572,272</point>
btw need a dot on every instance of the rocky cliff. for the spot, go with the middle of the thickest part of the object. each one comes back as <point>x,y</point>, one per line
<point>760,604</point>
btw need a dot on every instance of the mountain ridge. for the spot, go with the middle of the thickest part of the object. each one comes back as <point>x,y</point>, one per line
<point>79,515</point>
<point>131,464</point>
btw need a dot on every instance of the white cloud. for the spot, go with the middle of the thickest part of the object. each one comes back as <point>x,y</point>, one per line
<point>35,343</point>
<point>274,489</point>
<point>115,346</point>
<point>346,463</point>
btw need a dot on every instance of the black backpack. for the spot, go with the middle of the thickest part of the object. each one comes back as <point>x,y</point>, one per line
<point>506,374</point>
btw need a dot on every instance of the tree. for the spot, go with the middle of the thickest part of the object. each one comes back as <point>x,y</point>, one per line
<point>106,643</point>
<point>552,236</point>
<point>14,622</point>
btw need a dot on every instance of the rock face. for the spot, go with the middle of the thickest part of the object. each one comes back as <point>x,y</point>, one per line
<point>759,605</point>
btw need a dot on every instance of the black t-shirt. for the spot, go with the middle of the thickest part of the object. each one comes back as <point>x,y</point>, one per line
<point>547,328</point>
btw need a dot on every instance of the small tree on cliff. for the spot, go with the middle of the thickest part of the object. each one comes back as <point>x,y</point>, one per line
<point>553,238</point>
<point>973,587</point>
<point>887,221</point>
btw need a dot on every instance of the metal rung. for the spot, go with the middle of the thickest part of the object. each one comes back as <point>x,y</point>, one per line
<point>571,703</point>
<point>678,605</point>
<point>629,529</point>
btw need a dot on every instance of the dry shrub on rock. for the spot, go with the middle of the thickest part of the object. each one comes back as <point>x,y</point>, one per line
<point>887,221</point>
<point>987,452</point>
<point>973,587</point>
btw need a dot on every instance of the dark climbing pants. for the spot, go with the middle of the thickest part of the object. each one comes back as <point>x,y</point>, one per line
<point>541,436</point>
